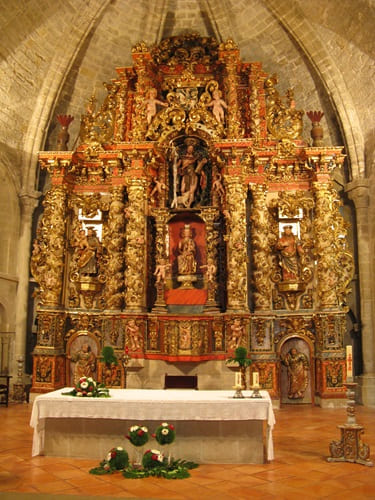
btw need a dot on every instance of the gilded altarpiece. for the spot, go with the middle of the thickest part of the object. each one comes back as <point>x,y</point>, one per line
<point>192,219</point>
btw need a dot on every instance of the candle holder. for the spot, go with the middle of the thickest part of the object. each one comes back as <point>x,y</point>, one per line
<point>125,361</point>
<point>350,448</point>
<point>256,392</point>
<point>238,394</point>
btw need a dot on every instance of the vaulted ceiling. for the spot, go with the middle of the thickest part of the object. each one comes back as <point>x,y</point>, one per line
<point>55,53</point>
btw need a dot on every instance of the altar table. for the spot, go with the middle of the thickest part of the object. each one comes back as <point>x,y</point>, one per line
<point>211,426</point>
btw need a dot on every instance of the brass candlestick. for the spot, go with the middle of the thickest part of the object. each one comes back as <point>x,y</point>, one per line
<point>350,448</point>
<point>238,394</point>
<point>256,392</point>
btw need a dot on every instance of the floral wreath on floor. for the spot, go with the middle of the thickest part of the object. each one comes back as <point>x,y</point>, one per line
<point>88,387</point>
<point>154,463</point>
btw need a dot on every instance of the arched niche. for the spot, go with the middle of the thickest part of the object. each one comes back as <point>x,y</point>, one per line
<point>296,371</point>
<point>82,352</point>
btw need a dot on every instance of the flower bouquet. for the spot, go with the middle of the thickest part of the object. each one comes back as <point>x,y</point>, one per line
<point>87,387</point>
<point>165,433</point>
<point>116,459</point>
<point>152,458</point>
<point>138,436</point>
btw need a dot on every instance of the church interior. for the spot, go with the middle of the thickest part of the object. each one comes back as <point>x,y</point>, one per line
<point>183,181</point>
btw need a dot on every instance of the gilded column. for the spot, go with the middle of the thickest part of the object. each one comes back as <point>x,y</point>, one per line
<point>115,245</point>
<point>141,57</point>
<point>358,191</point>
<point>47,261</point>
<point>229,54</point>
<point>335,263</point>
<point>212,240</point>
<point>260,246</point>
<point>161,257</point>
<point>120,116</point>
<point>236,244</point>
<point>135,252</point>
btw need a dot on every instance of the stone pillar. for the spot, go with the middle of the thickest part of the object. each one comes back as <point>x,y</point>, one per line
<point>28,204</point>
<point>358,191</point>
<point>135,252</point>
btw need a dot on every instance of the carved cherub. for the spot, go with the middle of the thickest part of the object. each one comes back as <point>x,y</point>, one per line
<point>151,103</point>
<point>218,105</point>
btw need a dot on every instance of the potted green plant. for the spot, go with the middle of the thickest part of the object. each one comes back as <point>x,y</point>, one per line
<point>243,361</point>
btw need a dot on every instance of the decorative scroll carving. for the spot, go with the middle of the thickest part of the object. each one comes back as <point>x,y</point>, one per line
<point>298,326</point>
<point>97,126</point>
<point>283,120</point>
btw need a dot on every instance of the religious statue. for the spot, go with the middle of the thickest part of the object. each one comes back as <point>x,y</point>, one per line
<point>218,105</point>
<point>161,270</point>
<point>297,366</point>
<point>88,247</point>
<point>210,270</point>
<point>290,249</point>
<point>236,334</point>
<point>151,104</point>
<point>187,249</point>
<point>85,362</point>
<point>188,176</point>
<point>133,335</point>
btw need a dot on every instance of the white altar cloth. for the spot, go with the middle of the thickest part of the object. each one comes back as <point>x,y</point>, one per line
<point>140,405</point>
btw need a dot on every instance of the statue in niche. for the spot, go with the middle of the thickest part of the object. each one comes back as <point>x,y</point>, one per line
<point>84,360</point>
<point>189,177</point>
<point>187,249</point>
<point>297,369</point>
<point>87,249</point>
<point>290,250</point>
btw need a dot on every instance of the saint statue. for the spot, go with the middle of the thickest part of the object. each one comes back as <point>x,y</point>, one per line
<point>85,362</point>
<point>290,250</point>
<point>297,366</point>
<point>88,248</point>
<point>188,176</point>
<point>186,247</point>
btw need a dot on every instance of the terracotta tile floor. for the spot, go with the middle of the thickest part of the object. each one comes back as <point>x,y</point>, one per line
<point>301,438</point>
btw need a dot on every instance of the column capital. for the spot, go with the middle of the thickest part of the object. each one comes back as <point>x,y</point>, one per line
<point>358,192</point>
<point>29,201</point>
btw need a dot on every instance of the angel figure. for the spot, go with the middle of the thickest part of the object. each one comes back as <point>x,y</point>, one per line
<point>161,270</point>
<point>151,103</point>
<point>218,105</point>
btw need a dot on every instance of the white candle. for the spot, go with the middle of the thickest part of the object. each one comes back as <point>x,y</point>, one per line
<point>255,379</point>
<point>349,362</point>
